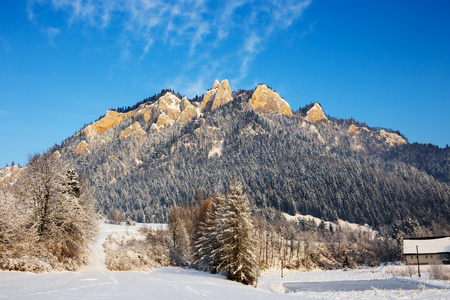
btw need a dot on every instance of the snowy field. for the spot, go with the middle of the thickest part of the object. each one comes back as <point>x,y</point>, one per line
<point>94,281</point>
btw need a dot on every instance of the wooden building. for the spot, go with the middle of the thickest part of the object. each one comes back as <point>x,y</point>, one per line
<point>427,249</point>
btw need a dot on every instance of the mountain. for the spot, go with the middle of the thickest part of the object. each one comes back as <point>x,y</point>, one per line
<point>169,150</point>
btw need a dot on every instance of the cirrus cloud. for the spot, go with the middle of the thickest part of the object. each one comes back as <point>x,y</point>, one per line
<point>242,27</point>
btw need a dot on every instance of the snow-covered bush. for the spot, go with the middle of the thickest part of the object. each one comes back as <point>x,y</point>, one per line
<point>438,271</point>
<point>404,271</point>
<point>142,252</point>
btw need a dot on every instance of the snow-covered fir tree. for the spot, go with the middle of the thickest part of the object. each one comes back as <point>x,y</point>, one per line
<point>203,225</point>
<point>205,239</point>
<point>235,253</point>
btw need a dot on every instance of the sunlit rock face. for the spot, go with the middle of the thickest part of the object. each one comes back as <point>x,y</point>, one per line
<point>166,111</point>
<point>219,95</point>
<point>111,119</point>
<point>82,148</point>
<point>265,100</point>
<point>315,114</point>
<point>392,139</point>
<point>133,130</point>
<point>187,114</point>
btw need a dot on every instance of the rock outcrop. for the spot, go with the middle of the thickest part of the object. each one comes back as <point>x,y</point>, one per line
<point>315,114</point>
<point>169,109</point>
<point>154,128</point>
<point>166,111</point>
<point>111,119</point>
<point>9,175</point>
<point>82,148</point>
<point>265,100</point>
<point>392,139</point>
<point>146,111</point>
<point>223,95</point>
<point>219,95</point>
<point>170,105</point>
<point>216,84</point>
<point>187,114</point>
<point>133,130</point>
<point>164,120</point>
<point>356,129</point>
<point>56,155</point>
<point>184,103</point>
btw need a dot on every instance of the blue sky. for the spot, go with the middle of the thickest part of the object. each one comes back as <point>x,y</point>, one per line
<point>63,63</point>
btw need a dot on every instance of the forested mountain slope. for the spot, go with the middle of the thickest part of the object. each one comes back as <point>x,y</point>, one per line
<point>158,153</point>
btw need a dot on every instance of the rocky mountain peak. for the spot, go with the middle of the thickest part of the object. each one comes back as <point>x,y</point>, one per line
<point>315,114</point>
<point>265,100</point>
<point>219,95</point>
<point>164,112</point>
<point>184,103</point>
<point>216,84</point>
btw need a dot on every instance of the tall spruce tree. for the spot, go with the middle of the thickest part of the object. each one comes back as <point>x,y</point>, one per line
<point>236,251</point>
<point>201,242</point>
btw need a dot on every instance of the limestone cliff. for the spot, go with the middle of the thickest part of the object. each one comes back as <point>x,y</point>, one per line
<point>187,114</point>
<point>216,84</point>
<point>218,96</point>
<point>184,103</point>
<point>133,130</point>
<point>223,95</point>
<point>170,105</point>
<point>315,114</point>
<point>164,120</point>
<point>392,139</point>
<point>82,148</point>
<point>265,100</point>
<point>356,129</point>
<point>111,119</point>
<point>208,100</point>
<point>154,128</point>
<point>167,110</point>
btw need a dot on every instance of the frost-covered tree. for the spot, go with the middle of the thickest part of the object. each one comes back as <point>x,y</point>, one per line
<point>179,236</point>
<point>60,209</point>
<point>41,186</point>
<point>205,239</point>
<point>75,218</point>
<point>234,230</point>
<point>16,236</point>
<point>200,236</point>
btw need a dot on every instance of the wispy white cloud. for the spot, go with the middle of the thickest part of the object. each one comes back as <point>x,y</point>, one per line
<point>206,29</point>
<point>252,46</point>
<point>308,31</point>
<point>52,32</point>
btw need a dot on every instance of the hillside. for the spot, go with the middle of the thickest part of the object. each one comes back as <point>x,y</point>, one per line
<point>170,150</point>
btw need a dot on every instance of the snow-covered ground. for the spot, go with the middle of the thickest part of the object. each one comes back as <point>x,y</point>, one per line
<point>94,281</point>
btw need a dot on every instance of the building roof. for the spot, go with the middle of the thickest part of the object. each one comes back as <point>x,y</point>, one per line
<point>426,245</point>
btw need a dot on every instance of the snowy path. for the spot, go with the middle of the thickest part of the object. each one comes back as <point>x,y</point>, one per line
<point>94,281</point>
